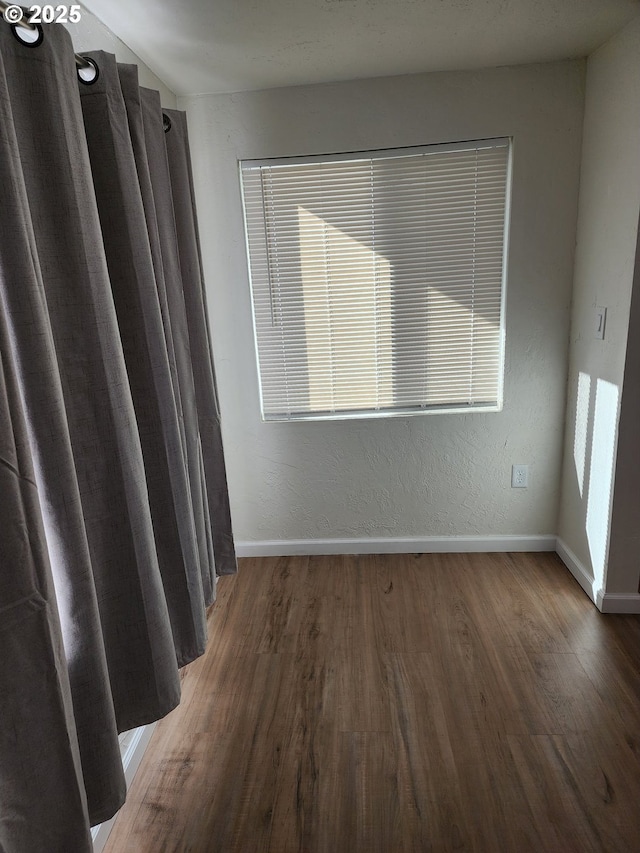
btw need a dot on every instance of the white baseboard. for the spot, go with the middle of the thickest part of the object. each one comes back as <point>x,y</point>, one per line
<point>577,569</point>
<point>606,602</point>
<point>618,602</point>
<point>420,545</point>
<point>130,761</point>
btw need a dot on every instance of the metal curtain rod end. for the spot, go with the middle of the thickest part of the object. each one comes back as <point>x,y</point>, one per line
<point>84,63</point>
<point>17,16</point>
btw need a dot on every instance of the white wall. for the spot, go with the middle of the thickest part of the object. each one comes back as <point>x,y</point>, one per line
<point>91,34</point>
<point>430,475</point>
<point>604,271</point>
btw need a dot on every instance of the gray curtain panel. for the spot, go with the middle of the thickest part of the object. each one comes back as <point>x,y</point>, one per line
<point>133,284</point>
<point>177,142</point>
<point>161,184</point>
<point>106,551</point>
<point>102,424</point>
<point>23,302</point>
<point>147,136</point>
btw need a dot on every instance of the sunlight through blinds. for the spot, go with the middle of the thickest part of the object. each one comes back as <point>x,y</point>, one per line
<point>378,280</point>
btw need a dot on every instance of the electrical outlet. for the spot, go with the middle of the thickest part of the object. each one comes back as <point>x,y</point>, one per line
<point>519,476</point>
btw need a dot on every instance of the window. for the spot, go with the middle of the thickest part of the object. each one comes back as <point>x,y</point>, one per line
<point>378,280</point>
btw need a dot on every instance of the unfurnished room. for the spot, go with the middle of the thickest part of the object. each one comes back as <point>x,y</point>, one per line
<point>320,426</point>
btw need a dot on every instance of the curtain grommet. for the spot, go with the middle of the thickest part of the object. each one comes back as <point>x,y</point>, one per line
<point>90,71</point>
<point>30,36</point>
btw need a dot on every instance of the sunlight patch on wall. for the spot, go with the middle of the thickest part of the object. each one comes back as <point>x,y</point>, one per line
<point>582,428</point>
<point>601,476</point>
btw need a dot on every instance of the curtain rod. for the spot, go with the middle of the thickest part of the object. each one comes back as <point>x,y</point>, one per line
<point>23,23</point>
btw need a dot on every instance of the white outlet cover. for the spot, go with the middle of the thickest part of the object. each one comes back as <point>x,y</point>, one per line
<point>519,476</point>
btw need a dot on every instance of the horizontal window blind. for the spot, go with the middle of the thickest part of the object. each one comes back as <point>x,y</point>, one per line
<point>377,280</point>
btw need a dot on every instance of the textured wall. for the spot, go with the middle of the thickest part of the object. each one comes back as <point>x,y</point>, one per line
<point>605,259</point>
<point>426,475</point>
<point>91,34</point>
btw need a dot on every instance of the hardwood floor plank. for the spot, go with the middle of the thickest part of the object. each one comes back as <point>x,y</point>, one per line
<point>409,599</point>
<point>284,596</point>
<point>309,702</point>
<point>615,680</point>
<point>427,774</point>
<point>587,789</point>
<point>548,797</point>
<point>568,694</point>
<point>366,789</point>
<point>360,667</point>
<point>514,582</point>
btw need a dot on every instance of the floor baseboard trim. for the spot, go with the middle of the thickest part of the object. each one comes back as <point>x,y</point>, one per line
<point>130,762</point>
<point>606,602</point>
<point>577,569</point>
<point>618,602</point>
<point>421,545</point>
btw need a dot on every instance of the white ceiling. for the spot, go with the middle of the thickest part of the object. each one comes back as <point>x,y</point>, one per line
<point>200,46</point>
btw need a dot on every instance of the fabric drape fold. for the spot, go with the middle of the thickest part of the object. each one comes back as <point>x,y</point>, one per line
<point>154,136</point>
<point>35,696</point>
<point>33,356</point>
<point>167,282</point>
<point>112,480</point>
<point>179,158</point>
<point>133,285</point>
<point>102,423</point>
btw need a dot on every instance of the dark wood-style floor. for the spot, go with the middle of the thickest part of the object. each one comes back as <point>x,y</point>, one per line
<point>399,703</point>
